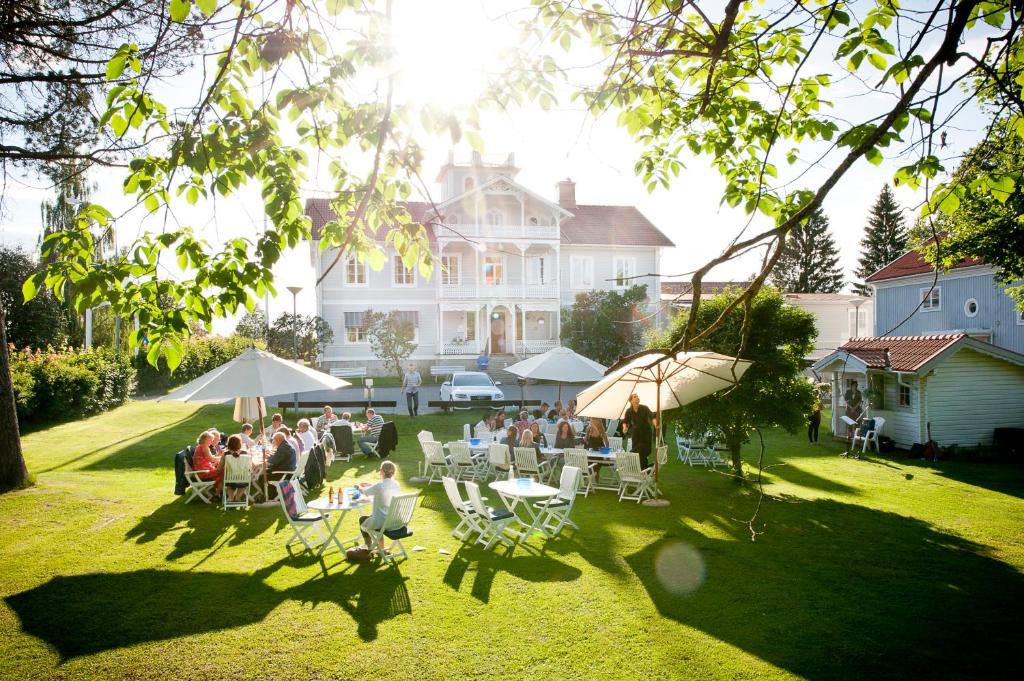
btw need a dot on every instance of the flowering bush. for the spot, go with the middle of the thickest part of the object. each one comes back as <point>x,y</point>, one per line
<point>200,355</point>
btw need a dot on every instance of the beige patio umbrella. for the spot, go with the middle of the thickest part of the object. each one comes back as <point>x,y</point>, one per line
<point>664,380</point>
<point>559,364</point>
<point>249,409</point>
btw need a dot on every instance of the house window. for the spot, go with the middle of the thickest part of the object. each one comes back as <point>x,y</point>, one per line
<point>471,325</point>
<point>858,322</point>
<point>410,316</point>
<point>355,327</point>
<point>581,272</point>
<point>451,269</point>
<point>494,270</point>
<point>931,299</point>
<point>403,276</point>
<point>971,307</point>
<point>878,392</point>
<point>904,395</point>
<point>1020,317</point>
<point>355,272</point>
<point>625,269</point>
<point>494,217</point>
<point>537,271</point>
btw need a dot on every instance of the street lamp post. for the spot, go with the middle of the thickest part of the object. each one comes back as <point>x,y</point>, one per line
<point>295,334</point>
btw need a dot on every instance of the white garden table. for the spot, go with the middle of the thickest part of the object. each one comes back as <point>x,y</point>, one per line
<point>522,492</point>
<point>607,460</point>
<point>338,511</point>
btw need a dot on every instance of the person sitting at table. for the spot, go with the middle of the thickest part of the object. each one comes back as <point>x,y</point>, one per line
<point>282,461</point>
<point>291,438</point>
<point>275,423</point>
<point>538,436</point>
<point>555,411</point>
<point>217,447</point>
<point>482,427</point>
<point>499,421</point>
<point>523,424</point>
<point>595,436</point>
<point>345,420</point>
<point>381,493</point>
<point>545,409</point>
<point>511,437</point>
<point>236,490</point>
<point>324,421</point>
<point>246,436</point>
<point>305,435</point>
<point>570,411</point>
<point>564,437</point>
<point>526,440</point>
<point>204,460</point>
<point>374,422</point>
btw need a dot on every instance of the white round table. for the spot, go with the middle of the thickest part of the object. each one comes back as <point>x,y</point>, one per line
<point>521,492</point>
<point>339,510</point>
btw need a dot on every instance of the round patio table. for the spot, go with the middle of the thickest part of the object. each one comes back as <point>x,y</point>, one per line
<point>521,492</point>
<point>337,511</point>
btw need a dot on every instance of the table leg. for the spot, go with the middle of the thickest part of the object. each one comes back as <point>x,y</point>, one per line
<point>333,535</point>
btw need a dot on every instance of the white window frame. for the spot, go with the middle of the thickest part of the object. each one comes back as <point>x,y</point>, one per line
<point>396,263</point>
<point>899,396</point>
<point>494,218</point>
<point>576,279</point>
<point>627,280</point>
<point>544,270</point>
<point>1020,316</point>
<point>366,273</point>
<point>502,261</point>
<point>457,257</point>
<point>936,293</point>
<point>365,340</point>
<point>967,305</point>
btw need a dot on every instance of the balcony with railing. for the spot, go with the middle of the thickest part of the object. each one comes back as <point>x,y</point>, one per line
<point>498,232</point>
<point>500,291</point>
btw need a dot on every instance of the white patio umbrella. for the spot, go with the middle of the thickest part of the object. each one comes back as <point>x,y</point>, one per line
<point>559,364</point>
<point>254,374</point>
<point>663,380</point>
<point>249,409</point>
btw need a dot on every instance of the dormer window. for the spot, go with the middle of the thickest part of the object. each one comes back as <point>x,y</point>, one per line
<point>494,217</point>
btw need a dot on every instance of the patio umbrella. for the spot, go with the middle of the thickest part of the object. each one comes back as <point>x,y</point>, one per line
<point>254,374</point>
<point>559,364</point>
<point>248,409</point>
<point>664,380</point>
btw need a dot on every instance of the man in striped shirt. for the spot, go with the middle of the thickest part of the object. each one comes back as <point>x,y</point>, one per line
<point>374,422</point>
<point>411,387</point>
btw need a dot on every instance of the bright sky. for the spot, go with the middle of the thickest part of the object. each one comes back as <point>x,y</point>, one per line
<point>447,47</point>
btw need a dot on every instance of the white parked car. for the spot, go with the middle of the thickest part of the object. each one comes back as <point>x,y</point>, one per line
<point>464,388</point>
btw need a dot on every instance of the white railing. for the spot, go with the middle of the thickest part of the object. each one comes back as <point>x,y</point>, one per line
<point>500,291</point>
<point>460,348</point>
<point>534,347</point>
<point>499,231</point>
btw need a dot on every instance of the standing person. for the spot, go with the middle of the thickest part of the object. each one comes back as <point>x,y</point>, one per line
<point>381,493</point>
<point>815,423</point>
<point>411,383</point>
<point>639,423</point>
<point>374,422</point>
<point>324,421</point>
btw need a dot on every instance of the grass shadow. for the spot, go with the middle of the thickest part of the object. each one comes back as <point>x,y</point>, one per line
<point>485,565</point>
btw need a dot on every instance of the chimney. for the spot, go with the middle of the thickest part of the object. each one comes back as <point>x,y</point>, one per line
<point>567,194</point>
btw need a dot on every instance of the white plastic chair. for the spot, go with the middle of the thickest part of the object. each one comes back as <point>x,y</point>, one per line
<point>468,523</point>
<point>300,519</point>
<point>527,465</point>
<point>556,510</point>
<point>691,449</point>
<point>197,487</point>
<point>435,465</point>
<point>868,439</point>
<point>237,471</point>
<point>577,458</point>
<point>615,443</point>
<point>467,431</point>
<point>492,523</point>
<point>499,461</point>
<point>634,482</point>
<point>395,527</point>
<point>463,466</point>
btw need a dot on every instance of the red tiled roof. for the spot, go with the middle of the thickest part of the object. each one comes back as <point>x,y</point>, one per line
<point>899,353</point>
<point>600,225</point>
<point>611,225</point>
<point>683,289</point>
<point>911,263</point>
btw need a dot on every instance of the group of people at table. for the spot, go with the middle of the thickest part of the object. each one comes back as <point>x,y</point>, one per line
<point>281,446</point>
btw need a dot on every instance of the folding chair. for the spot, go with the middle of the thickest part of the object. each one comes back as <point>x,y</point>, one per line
<point>300,469</point>
<point>425,436</point>
<point>434,462</point>
<point>299,517</point>
<point>615,443</point>
<point>463,466</point>
<point>869,438</point>
<point>557,509</point>
<point>330,448</point>
<point>498,460</point>
<point>634,483</point>
<point>395,527</point>
<point>237,471</point>
<point>577,458</point>
<point>197,487</point>
<point>344,444</point>
<point>492,523</point>
<point>527,465</point>
<point>710,453</point>
<point>464,509</point>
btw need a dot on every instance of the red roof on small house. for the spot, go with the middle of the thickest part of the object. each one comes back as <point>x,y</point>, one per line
<point>899,353</point>
<point>911,263</point>
<point>683,290</point>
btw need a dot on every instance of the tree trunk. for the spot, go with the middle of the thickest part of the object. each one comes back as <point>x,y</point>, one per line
<point>735,445</point>
<point>13,474</point>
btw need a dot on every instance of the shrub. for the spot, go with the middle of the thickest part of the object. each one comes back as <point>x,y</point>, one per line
<point>200,355</point>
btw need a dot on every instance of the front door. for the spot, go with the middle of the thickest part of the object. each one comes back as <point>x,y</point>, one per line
<point>498,331</point>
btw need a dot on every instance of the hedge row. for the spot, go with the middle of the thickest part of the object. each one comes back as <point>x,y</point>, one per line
<point>200,355</point>
<point>60,386</point>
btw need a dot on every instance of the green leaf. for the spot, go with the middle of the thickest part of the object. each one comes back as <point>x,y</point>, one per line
<point>115,67</point>
<point>950,203</point>
<point>180,9</point>
<point>874,156</point>
<point>877,60</point>
<point>152,203</point>
<point>207,7</point>
<point>118,124</point>
<point>30,288</point>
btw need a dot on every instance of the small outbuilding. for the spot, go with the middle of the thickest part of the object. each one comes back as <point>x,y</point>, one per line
<point>964,387</point>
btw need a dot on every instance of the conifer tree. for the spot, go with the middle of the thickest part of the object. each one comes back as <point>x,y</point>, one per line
<point>885,238</point>
<point>810,259</point>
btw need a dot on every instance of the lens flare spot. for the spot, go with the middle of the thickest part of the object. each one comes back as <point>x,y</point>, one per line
<point>680,568</point>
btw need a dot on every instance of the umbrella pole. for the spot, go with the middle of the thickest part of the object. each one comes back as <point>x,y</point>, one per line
<point>259,410</point>
<point>559,391</point>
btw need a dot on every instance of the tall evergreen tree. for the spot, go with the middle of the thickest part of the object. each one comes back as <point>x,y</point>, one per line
<point>885,238</point>
<point>810,259</point>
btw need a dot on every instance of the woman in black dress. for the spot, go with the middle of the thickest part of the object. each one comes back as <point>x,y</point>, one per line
<point>639,423</point>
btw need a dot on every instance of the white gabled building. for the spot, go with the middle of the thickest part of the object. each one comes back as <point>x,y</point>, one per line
<point>508,261</point>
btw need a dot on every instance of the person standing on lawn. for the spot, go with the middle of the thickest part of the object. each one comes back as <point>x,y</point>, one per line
<point>814,423</point>
<point>639,423</point>
<point>411,383</point>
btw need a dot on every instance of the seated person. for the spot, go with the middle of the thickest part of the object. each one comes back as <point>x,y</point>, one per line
<point>324,421</point>
<point>555,411</point>
<point>526,440</point>
<point>275,422</point>
<point>482,428</point>
<point>235,490</point>
<point>538,436</point>
<point>570,411</point>
<point>246,436</point>
<point>282,461</point>
<point>345,420</point>
<point>523,424</point>
<point>305,435</point>
<point>564,437</point>
<point>289,435</point>
<point>374,422</point>
<point>381,493</point>
<point>511,437</point>
<point>499,421</point>
<point>204,460</point>
<point>594,436</point>
<point>218,441</point>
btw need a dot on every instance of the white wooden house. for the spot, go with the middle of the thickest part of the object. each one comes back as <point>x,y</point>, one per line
<point>508,261</point>
<point>963,386</point>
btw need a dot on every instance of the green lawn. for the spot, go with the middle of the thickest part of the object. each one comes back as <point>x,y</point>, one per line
<point>865,569</point>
